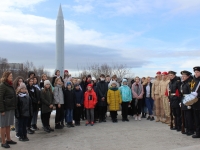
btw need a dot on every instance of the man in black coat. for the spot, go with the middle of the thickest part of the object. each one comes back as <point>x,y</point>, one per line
<point>175,99</point>
<point>188,116</point>
<point>102,89</point>
<point>196,106</point>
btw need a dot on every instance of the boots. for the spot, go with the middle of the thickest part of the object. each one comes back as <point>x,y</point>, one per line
<point>167,121</point>
<point>163,120</point>
<point>157,119</point>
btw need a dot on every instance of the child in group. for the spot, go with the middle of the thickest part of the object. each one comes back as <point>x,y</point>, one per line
<point>35,114</point>
<point>114,100</point>
<point>43,78</point>
<point>23,111</point>
<point>16,84</point>
<point>47,101</point>
<point>57,75</point>
<point>90,100</point>
<point>79,103</point>
<point>69,103</point>
<point>59,102</point>
<point>126,96</point>
<point>33,95</point>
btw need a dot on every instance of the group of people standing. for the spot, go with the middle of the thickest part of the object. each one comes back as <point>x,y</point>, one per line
<point>89,99</point>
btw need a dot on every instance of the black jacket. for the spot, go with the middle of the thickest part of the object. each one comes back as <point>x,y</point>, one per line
<point>24,107</point>
<point>145,90</point>
<point>79,96</point>
<point>34,97</point>
<point>83,86</point>
<point>47,99</point>
<point>174,85</point>
<point>185,88</point>
<point>101,91</point>
<point>54,78</point>
<point>8,100</point>
<point>196,106</point>
<point>69,99</point>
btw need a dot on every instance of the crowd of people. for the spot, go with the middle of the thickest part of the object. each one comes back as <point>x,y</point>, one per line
<point>90,99</point>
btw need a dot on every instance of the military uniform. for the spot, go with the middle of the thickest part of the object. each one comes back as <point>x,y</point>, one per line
<point>188,116</point>
<point>155,93</point>
<point>196,106</point>
<point>163,86</point>
<point>175,99</point>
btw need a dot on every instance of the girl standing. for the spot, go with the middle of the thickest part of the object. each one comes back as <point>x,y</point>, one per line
<point>114,100</point>
<point>57,75</point>
<point>59,102</point>
<point>90,100</point>
<point>23,111</point>
<point>47,101</point>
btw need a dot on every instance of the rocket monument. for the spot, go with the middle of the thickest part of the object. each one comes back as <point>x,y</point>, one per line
<point>60,42</point>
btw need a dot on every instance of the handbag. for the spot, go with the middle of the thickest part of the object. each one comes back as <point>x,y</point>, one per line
<point>191,98</point>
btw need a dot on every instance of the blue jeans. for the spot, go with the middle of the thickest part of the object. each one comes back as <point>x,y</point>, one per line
<point>149,103</point>
<point>68,115</point>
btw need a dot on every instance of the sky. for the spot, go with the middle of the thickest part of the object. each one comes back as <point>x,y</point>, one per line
<point>147,36</point>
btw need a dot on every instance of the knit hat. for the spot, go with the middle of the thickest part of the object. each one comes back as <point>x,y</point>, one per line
<point>21,86</point>
<point>66,71</point>
<point>68,83</point>
<point>47,82</point>
<point>158,72</point>
<point>113,82</point>
<point>93,78</point>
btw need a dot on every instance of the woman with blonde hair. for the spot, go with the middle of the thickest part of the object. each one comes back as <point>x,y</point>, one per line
<point>8,103</point>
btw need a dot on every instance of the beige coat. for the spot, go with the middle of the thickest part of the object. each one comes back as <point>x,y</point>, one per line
<point>155,88</point>
<point>163,87</point>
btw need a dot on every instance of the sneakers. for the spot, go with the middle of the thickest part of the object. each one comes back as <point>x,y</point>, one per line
<point>17,135</point>
<point>58,126</point>
<point>87,123</point>
<point>139,117</point>
<point>136,117</point>
<point>21,139</point>
<point>148,118</point>
<point>46,129</point>
<point>12,128</point>
<point>34,127</point>
<point>50,129</point>
<point>152,118</point>
<point>29,131</point>
<point>92,123</point>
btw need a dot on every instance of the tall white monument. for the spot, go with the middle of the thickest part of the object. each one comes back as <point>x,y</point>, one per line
<point>60,42</point>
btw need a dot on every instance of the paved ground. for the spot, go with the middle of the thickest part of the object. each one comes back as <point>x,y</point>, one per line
<point>133,135</point>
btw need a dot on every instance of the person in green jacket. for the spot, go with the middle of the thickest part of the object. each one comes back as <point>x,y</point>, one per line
<point>126,96</point>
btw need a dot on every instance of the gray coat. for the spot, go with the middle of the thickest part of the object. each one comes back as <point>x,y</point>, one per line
<point>58,94</point>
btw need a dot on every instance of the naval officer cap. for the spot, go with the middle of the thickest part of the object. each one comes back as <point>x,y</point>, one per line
<point>196,68</point>
<point>185,72</point>
<point>172,72</point>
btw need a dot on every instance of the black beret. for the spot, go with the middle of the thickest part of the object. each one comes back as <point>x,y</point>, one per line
<point>172,72</point>
<point>196,68</point>
<point>186,72</point>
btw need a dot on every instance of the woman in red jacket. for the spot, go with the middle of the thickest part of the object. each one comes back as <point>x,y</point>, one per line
<point>90,100</point>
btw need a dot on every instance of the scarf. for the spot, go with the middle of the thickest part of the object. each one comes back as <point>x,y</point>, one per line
<point>9,82</point>
<point>37,86</point>
<point>113,88</point>
<point>22,94</point>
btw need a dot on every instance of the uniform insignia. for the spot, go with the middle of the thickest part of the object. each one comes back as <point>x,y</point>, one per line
<point>192,84</point>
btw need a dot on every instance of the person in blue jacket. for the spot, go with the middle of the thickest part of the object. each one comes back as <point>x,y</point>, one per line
<point>126,99</point>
